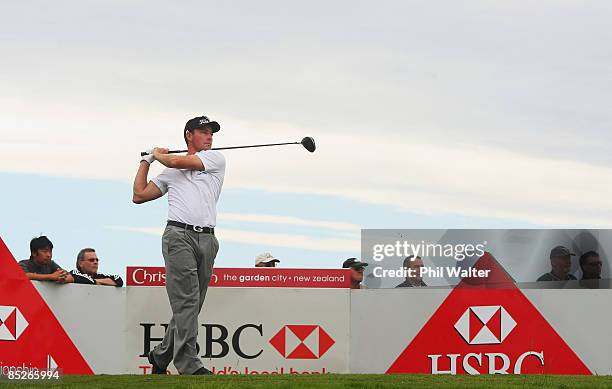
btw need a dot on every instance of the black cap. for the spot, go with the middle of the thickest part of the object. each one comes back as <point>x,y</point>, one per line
<point>560,251</point>
<point>202,122</point>
<point>353,262</point>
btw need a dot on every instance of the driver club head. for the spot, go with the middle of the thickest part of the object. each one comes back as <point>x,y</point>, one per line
<point>309,144</point>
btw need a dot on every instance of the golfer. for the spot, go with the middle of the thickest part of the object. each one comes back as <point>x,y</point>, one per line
<point>189,246</point>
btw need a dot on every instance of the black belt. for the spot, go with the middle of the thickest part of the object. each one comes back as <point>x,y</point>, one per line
<point>205,230</point>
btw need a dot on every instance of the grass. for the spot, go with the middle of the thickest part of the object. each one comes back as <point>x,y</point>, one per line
<point>355,381</point>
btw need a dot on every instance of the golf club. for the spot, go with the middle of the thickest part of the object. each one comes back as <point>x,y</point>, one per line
<point>307,142</point>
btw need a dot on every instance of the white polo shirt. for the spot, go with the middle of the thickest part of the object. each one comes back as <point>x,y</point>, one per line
<point>193,194</point>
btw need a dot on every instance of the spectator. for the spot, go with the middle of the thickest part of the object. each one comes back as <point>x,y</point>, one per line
<point>413,268</point>
<point>560,263</point>
<point>590,263</point>
<point>357,268</point>
<point>266,260</point>
<point>40,266</point>
<point>86,271</point>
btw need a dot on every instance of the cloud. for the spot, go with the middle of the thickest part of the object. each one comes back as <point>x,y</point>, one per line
<point>412,105</point>
<point>436,178</point>
<point>399,171</point>
<point>295,241</point>
<point>286,220</point>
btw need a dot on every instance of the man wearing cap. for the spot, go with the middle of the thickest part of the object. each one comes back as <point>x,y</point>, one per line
<point>189,246</point>
<point>266,260</point>
<point>356,267</point>
<point>561,264</point>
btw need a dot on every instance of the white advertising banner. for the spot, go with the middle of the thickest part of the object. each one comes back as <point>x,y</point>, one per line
<point>489,326</point>
<point>481,331</point>
<point>582,320</point>
<point>383,321</point>
<point>284,331</point>
<point>250,330</point>
<point>94,319</point>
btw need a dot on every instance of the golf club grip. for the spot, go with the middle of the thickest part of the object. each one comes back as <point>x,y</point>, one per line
<point>142,154</point>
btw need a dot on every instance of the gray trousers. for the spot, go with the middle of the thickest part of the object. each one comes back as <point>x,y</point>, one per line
<point>189,258</point>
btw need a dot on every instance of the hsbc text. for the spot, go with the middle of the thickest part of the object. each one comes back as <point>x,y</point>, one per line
<point>217,339</point>
<point>472,363</point>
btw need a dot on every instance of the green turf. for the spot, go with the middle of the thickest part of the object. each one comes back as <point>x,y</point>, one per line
<point>326,381</point>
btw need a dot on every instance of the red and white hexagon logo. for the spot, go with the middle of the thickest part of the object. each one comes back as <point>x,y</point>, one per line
<point>12,323</point>
<point>472,332</point>
<point>489,324</point>
<point>302,341</point>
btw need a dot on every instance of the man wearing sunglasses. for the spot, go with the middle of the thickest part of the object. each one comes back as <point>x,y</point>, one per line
<point>414,278</point>
<point>357,268</point>
<point>86,271</point>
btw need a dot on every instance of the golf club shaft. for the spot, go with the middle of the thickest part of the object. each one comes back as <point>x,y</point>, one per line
<point>230,147</point>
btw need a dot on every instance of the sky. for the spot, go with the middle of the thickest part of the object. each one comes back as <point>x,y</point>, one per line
<point>426,114</point>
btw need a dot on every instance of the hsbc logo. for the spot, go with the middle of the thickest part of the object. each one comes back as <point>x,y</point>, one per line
<point>218,341</point>
<point>12,323</point>
<point>486,328</point>
<point>302,341</point>
<point>485,324</point>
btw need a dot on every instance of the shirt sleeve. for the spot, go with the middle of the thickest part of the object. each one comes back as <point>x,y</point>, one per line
<point>116,278</point>
<point>212,160</point>
<point>118,281</point>
<point>54,266</point>
<point>24,265</point>
<point>80,278</point>
<point>161,181</point>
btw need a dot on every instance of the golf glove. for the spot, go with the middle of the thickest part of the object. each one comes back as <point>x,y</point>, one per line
<point>149,157</point>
